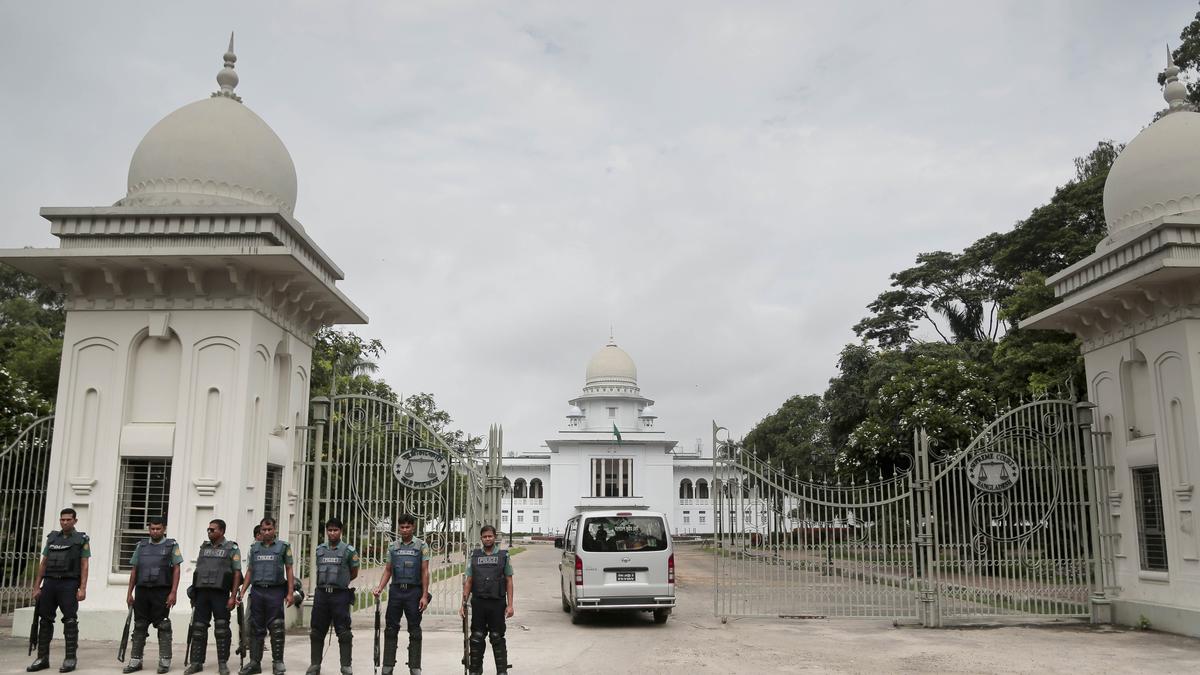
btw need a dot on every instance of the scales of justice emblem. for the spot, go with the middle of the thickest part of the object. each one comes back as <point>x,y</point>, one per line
<point>421,468</point>
<point>992,471</point>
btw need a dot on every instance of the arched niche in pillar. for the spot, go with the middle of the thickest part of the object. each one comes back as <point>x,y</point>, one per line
<point>1137,398</point>
<point>153,382</point>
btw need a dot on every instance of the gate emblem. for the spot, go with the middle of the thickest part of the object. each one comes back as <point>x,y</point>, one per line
<point>421,468</point>
<point>992,471</point>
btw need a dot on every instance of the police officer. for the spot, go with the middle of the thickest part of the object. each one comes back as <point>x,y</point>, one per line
<point>61,584</point>
<point>218,573</point>
<point>154,574</point>
<point>269,574</point>
<point>408,573</point>
<point>337,565</point>
<point>489,581</point>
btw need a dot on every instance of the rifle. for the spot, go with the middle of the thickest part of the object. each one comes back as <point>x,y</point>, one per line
<point>33,632</point>
<point>187,654</point>
<point>466,660</point>
<point>377,635</point>
<point>241,617</point>
<point>125,637</point>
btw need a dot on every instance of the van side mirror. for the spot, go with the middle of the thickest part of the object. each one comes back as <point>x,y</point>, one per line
<point>558,542</point>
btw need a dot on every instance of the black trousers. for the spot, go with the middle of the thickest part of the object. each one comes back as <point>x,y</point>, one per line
<point>150,603</point>
<point>210,603</point>
<point>266,605</point>
<point>58,594</point>
<point>406,602</point>
<point>487,616</point>
<point>331,607</point>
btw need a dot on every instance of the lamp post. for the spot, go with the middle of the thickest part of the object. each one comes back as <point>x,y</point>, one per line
<point>320,416</point>
<point>511,492</point>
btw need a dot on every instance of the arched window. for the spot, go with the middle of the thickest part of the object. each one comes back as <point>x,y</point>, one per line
<point>507,485</point>
<point>685,489</point>
<point>535,488</point>
<point>701,489</point>
<point>519,488</point>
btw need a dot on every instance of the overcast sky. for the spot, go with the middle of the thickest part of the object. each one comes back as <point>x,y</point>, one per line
<point>726,184</point>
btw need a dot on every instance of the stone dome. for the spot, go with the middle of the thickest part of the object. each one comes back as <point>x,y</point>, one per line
<point>213,152</point>
<point>1158,173</point>
<point>611,364</point>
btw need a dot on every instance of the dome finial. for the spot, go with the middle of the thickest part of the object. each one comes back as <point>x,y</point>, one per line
<point>1174,91</point>
<point>227,77</point>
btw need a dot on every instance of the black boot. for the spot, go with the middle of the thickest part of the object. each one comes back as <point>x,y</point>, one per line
<point>500,653</point>
<point>45,635</point>
<point>345,648</point>
<point>477,646</point>
<point>137,645</point>
<point>315,653</point>
<point>276,630</point>
<point>222,634</point>
<point>199,636</point>
<point>389,650</point>
<point>165,635</point>
<point>414,654</point>
<point>71,642</point>
<point>254,665</point>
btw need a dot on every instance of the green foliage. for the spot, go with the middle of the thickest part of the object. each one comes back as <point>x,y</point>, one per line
<point>343,363</point>
<point>794,436</point>
<point>940,388</point>
<point>32,320</point>
<point>1187,57</point>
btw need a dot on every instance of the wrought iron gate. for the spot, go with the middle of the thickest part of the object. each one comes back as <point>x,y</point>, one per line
<point>373,460</point>
<point>24,474</point>
<point>1000,528</point>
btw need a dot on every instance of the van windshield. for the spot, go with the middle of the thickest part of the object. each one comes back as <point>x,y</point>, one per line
<point>624,533</point>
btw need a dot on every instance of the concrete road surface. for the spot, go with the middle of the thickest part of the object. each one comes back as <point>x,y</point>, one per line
<point>542,640</point>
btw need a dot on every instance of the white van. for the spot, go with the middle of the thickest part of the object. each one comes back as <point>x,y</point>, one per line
<point>617,560</point>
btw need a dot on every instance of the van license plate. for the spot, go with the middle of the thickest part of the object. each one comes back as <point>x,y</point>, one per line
<point>626,576</point>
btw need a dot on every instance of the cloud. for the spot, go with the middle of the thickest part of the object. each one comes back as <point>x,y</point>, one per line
<point>727,186</point>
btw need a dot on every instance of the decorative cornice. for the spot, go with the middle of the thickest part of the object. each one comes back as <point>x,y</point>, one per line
<point>167,192</point>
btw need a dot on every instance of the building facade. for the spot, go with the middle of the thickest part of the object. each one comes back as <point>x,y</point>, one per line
<point>190,310</point>
<point>610,454</point>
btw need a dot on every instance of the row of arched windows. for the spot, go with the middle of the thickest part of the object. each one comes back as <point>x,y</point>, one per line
<point>688,491</point>
<point>523,490</point>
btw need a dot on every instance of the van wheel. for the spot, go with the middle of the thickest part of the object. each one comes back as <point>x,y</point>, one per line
<point>660,615</point>
<point>576,616</point>
<point>566,605</point>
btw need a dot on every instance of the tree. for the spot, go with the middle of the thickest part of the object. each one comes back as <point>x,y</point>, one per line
<point>343,363</point>
<point>1187,57</point>
<point>794,438</point>
<point>32,320</point>
<point>933,386</point>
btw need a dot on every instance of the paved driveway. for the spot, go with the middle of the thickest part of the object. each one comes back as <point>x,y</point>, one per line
<point>542,640</point>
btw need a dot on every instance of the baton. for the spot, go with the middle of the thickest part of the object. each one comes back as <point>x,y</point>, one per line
<point>125,637</point>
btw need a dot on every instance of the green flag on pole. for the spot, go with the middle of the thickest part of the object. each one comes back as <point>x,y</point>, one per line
<point>617,433</point>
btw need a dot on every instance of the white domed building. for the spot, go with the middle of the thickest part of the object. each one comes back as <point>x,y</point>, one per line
<point>191,306</point>
<point>610,455</point>
<point>1135,305</point>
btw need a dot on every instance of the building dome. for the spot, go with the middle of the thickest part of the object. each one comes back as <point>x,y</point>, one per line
<point>611,364</point>
<point>213,152</point>
<point>1158,173</point>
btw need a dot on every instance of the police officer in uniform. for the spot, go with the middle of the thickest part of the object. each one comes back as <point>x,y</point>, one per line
<point>155,574</point>
<point>408,573</point>
<point>337,565</point>
<point>489,582</point>
<point>61,584</point>
<point>269,575</point>
<point>218,573</point>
